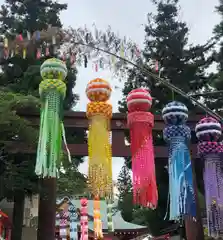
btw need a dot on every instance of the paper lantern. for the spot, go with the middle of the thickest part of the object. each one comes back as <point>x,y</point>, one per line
<point>139,100</point>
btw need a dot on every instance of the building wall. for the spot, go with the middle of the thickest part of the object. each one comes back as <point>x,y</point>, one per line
<point>29,233</point>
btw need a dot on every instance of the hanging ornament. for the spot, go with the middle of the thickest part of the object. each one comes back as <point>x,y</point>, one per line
<point>140,123</point>
<point>12,54</point>
<point>97,219</point>
<point>38,53</point>
<point>6,43</point>
<point>38,36</point>
<point>63,224</point>
<point>122,51</point>
<point>53,40</point>
<point>16,49</point>
<point>24,53</point>
<point>96,67</point>
<point>210,149</point>
<point>73,216</point>
<point>28,35</point>
<point>6,53</point>
<point>72,58</point>
<point>52,92</point>
<point>85,61</point>
<point>19,38</point>
<point>47,52</point>
<point>84,219</point>
<point>177,135</point>
<point>99,112</point>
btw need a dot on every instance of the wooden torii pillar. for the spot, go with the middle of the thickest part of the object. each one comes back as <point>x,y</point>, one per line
<point>78,120</point>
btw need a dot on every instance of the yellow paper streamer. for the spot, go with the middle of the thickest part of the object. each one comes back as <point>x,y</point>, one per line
<point>99,112</point>
<point>6,43</point>
<point>97,219</point>
<point>24,53</point>
<point>100,159</point>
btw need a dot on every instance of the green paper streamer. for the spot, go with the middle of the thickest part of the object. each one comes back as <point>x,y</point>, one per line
<point>52,92</point>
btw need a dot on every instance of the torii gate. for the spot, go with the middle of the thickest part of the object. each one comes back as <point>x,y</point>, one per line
<point>78,120</point>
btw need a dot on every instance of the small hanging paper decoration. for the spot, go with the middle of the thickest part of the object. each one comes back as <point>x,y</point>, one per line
<point>140,123</point>
<point>99,112</point>
<point>177,135</point>
<point>84,219</point>
<point>63,224</point>
<point>52,92</point>
<point>73,217</point>
<point>97,219</point>
<point>210,149</point>
<point>109,215</point>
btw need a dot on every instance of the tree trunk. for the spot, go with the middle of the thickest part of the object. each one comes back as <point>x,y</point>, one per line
<point>18,213</point>
<point>47,210</point>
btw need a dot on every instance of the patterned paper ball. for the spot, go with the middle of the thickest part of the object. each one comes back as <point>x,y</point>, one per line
<point>98,90</point>
<point>53,68</point>
<point>84,202</point>
<point>139,100</point>
<point>175,113</point>
<point>208,129</point>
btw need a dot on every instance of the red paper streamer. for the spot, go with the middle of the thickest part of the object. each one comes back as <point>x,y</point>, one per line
<point>141,123</point>
<point>84,219</point>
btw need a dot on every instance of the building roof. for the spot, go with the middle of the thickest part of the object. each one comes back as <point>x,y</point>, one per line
<point>119,223</point>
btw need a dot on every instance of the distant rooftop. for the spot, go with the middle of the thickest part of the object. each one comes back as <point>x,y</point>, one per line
<point>119,223</point>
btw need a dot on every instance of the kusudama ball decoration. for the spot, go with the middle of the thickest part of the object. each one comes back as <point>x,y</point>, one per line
<point>139,100</point>
<point>98,92</point>
<point>53,72</point>
<point>175,113</point>
<point>208,129</point>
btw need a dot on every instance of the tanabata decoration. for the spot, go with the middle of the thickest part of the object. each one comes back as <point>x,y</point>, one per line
<point>75,46</point>
<point>140,123</point>
<point>97,219</point>
<point>5,226</point>
<point>177,135</point>
<point>99,113</point>
<point>84,219</point>
<point>52,92</point>
<point>210,149</point>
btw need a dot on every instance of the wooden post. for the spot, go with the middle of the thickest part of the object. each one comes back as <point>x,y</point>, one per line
<point>18,213</point>
<point>47,210</point>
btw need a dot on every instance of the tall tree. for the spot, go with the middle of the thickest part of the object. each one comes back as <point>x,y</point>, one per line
<point>23,76</point>
<point>124,186</point>
<point>216,79</point>
<point>166,43</point>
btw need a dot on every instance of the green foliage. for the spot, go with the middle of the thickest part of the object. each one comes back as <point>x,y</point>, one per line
<point>216,79</point>
<point>71,182</point>
<point>184,65</point>
<point>124,185</point>
<point>20,79</point>
<point>18,16</point>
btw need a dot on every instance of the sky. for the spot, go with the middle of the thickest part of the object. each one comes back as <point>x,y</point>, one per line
<point>127,17</point>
